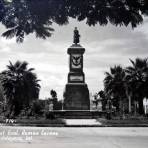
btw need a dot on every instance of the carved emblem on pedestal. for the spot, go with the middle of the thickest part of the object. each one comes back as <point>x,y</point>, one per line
<point>76,61</point>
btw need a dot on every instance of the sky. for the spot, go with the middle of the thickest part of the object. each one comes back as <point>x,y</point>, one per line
<point>105,46</point>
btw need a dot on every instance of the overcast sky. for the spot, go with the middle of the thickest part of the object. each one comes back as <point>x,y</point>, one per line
<point>105,46</point>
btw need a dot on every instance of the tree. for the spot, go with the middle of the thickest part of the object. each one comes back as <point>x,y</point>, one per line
<point>20,86</point>
<point>137,76</point>
<point>54,99</point>
<point>35,16</point>
<point>103,99</point>
<point>53,94</point>
<point>130,83</point>
<point>2,98</point>
<point>114,86</point>
<point>95,100</point>
<point>37,107</point>
<point>100,97</point>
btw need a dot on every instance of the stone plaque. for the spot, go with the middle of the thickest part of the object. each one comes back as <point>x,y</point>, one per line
<point>76,78</point>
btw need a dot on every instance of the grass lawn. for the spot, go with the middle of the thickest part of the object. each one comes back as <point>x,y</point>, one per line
<point>60,122</point>
<point>36,122</point>
<point>40,121</point>
<point>125,122</point>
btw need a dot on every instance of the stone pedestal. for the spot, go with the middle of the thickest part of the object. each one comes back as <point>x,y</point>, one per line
<point>76,97</point>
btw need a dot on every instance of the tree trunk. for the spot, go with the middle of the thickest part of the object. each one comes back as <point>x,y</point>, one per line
<point>130,103</point>
<point>129,96</point>
<point>121,108</point>
<point>141,108</point>
<point>135,108</point>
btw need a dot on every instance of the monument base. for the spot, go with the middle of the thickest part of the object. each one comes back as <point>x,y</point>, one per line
<point>76,97</point>
<point>74,114</point>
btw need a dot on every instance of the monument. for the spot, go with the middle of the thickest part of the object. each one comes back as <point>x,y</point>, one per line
<point>76,95</point>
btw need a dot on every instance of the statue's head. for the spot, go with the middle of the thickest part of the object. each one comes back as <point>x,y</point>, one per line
<point>76,28</point>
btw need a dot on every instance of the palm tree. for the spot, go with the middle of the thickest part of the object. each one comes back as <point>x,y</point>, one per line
<point>128,91</point>
<point>20,86</point>
<point>114,85</point>
<point>54,99</point>
<point>137,77</point>
<point>2,98</point>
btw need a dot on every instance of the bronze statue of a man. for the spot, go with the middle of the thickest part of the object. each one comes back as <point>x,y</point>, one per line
<point>76,36</point>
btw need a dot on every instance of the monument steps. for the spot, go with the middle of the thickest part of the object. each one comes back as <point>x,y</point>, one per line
<point>78,114</point>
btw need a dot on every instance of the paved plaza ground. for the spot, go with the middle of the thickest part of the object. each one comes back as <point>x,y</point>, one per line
<point>82,122</point>
<point>94,137</point>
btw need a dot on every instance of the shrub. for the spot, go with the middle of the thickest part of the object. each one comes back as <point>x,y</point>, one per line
<point>49,115</point>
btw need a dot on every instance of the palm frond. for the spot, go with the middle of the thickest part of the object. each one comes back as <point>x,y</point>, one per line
<point>9,33</point>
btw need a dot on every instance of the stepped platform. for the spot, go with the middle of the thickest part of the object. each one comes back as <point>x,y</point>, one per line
<point>78,114</point>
